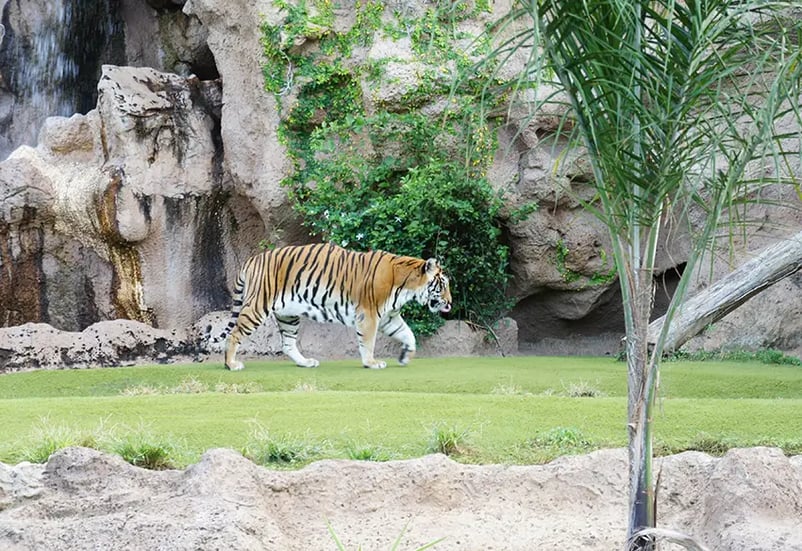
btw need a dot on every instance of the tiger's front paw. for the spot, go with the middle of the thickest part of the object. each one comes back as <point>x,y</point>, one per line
<point>308,362</point>
<point>375,364</point>
<point>236,366</point>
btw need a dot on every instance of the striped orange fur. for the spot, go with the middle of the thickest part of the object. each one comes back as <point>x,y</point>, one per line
<point>330,284</point>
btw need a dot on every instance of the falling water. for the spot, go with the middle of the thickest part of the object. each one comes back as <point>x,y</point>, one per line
<point>50,59</point>
<point>47,79</point>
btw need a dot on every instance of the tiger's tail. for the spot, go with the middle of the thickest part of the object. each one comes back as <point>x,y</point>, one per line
<point>236,307</point>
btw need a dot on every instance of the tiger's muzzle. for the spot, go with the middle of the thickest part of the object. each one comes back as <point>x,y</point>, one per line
<point>439,305</point>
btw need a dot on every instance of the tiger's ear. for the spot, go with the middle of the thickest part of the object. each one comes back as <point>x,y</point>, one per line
<point>431,266</point>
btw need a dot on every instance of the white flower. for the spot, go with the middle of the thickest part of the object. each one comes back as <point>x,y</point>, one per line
<point>326,214</point>
<point>344,243</point>
<point>360,236</point>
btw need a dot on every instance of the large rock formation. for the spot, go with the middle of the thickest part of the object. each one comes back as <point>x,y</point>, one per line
<point>123,213</point>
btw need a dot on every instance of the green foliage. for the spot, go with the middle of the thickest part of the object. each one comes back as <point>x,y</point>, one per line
<point>603,277</point>
<point>407,183</point>
<point>433,210</point>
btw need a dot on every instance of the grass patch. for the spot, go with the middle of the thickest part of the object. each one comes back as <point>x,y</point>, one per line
<point>555,442</point>
<point>266,448</point>
<point>448,439</point>
<point>343,411</point>
<point>191,385</point>
<point>527,374</point>
<point>138,446</point>
<point>582,389</point>
<point>718,445</point>
<point>394,547</point>
<point>367,452</point>
<point>769,356</point>
<point>47,437</point>
<point>146,454</point>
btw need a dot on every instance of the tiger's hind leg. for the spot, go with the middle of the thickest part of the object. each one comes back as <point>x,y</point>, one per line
<point>288,327</point>
<point>247,322</point>
<point>234,340</point>
<point>397,329</point>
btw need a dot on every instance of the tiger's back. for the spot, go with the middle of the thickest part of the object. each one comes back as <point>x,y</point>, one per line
<point>330,284</point>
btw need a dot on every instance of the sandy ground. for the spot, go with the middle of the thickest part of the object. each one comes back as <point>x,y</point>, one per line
<point>749,500</point>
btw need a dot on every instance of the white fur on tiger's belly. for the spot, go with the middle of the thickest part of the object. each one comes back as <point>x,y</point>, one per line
<point>327,314</point>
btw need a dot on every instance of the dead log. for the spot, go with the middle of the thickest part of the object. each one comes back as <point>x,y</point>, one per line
<point>729,292</point>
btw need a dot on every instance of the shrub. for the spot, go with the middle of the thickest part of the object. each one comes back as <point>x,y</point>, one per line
<point>433,213</point>
<point>407,183</point>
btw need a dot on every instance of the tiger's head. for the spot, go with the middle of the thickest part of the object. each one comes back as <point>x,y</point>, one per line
<point>437,293</point>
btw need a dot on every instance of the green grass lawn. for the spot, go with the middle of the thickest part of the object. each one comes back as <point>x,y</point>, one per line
<point>519,410</point>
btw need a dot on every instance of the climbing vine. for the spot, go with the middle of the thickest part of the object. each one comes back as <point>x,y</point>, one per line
<point>394,178</point>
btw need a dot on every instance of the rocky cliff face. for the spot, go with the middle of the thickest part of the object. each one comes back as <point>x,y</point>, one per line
<point>162,171</point>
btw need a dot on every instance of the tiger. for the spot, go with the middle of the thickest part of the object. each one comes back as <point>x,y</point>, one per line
<point>328,283</point>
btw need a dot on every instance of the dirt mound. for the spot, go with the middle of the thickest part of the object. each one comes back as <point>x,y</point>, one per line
<point>751,499</point>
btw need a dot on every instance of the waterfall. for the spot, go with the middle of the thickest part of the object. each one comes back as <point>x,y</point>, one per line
<point>50,60</point>
<point>48,77</point>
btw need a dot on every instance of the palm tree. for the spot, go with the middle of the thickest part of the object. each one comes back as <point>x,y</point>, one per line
<point>676,102</point>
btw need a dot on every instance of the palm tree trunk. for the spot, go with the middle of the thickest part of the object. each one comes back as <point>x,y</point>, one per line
<point>639,410</point>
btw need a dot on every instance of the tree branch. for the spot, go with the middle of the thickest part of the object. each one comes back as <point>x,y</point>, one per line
<point>725,295</point>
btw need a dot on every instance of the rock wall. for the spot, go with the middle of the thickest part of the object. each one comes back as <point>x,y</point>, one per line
<point>124,210</point>
<point>141,203</point>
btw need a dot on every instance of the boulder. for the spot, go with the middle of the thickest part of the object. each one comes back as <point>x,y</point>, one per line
<point>103,344</point>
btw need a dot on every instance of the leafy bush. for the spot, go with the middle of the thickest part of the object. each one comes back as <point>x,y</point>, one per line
<point>419,202</point>
<point>407,183</point>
